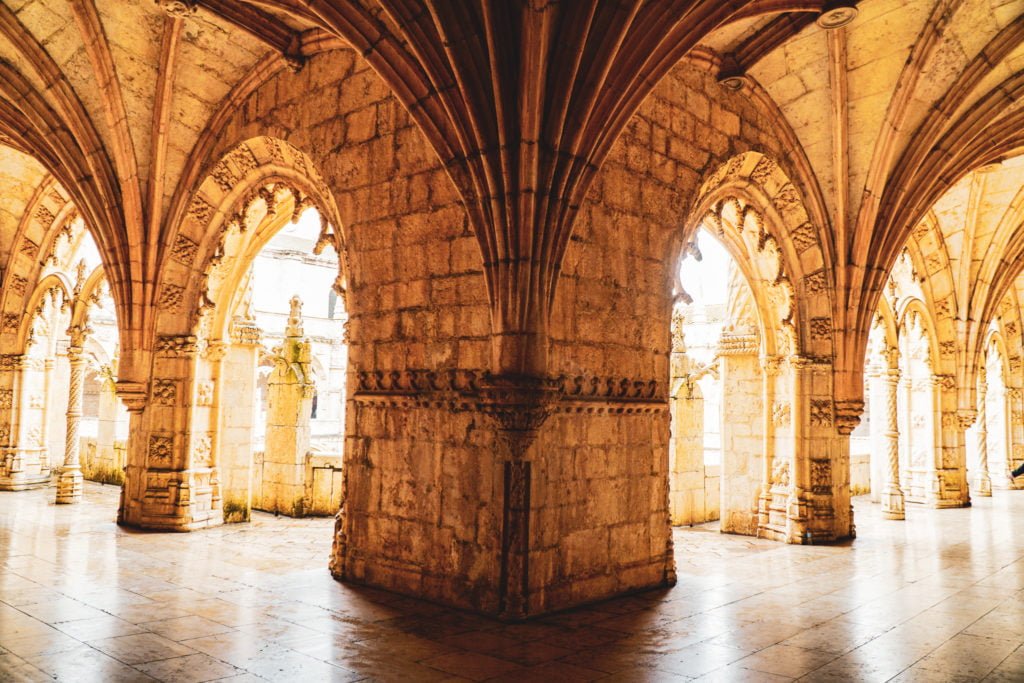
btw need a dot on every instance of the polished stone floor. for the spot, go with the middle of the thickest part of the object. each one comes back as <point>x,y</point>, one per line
<point>939,597</point>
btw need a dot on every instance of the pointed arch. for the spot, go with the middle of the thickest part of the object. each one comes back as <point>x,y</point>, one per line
<point>265,171</point>
<point>751,192</point>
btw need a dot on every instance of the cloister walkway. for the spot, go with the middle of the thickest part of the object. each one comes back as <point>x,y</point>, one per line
<point>938,597</point>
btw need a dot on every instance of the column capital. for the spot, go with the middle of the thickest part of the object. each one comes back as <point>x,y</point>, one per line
<point>966,417</point>
<point>132,394</point>
<point>847,415</point>
<point>772,365</point>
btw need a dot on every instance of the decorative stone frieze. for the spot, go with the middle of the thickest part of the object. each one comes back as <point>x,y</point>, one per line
<point>178,9</point>
<point>184,250</point>
<point>459,389</point>
<point>738,344</point>
<point>821,477</point>
<point>177,345</point>
<point>161,451</point>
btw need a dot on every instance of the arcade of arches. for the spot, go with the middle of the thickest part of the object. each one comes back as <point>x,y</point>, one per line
<point>568,274</point>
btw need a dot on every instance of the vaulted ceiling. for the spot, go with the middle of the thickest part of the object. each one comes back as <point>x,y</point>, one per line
<point>896,112</point>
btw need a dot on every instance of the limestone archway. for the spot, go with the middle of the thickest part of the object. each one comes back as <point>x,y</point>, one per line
<point>756,212</point>
<point>198,428</point>
<point>918,400</point>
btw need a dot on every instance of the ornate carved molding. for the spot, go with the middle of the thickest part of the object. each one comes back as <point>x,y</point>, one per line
<point>516,404</point>
<point>737,344</point>
<point>821,412</point>
<point>176,345</point>
<point>178,9</point>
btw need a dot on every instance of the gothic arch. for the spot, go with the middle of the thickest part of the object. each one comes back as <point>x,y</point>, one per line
<point>912,312</point>
<point>48,213</point>
<point>909,291</point>
<point>53,285</point>
<point>1008,322</point>
<point>258,175</point>
<point>887,320</point>
<point>86,294</point>
<point>750,199</point>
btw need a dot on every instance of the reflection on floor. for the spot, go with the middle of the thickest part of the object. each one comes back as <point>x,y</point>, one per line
<point>938,597</point>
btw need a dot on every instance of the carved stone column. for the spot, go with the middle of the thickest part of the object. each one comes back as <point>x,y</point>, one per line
<point>982,480</point>
<point>770,370</point>
<point>69,481</point>
<point>892,494</point>
<point>290,396</point>
<point>234,393</point>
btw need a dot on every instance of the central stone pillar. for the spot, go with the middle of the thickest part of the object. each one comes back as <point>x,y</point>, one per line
<point>69,481</point>
<point>982,480</point>
<point>689,500</point>
<point>290,394</point>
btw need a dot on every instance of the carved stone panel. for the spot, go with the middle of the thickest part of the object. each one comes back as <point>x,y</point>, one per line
<point>821,413</point>
<point>161,451</point>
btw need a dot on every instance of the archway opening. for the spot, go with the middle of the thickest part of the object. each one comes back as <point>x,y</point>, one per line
<point>988,439</point>
<point>716,455</point>
<point>274,370</point>
<point>69,339</point>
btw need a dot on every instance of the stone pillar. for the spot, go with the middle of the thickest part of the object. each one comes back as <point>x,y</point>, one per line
<point>798,503</point>
<point>107,462</point>
<point>687,494</point>
<point>892,493</point>
<point>769,373</point>
<point>236,400</point>
<point>24,463</point>
<point>982,480</point>
<point>290,394</point>
<point>170,484</point>
<point>687,497</point>
<point>742,435</point>
<point>69,481</point>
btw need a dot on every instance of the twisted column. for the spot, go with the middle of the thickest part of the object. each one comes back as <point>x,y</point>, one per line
<point>892,494</point>
<point>69,481</point>
<point>982,481</point>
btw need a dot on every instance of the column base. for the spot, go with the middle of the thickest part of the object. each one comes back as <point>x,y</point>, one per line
<point>170,500</point>
<point>892,504</point>
<point>19,483</point>
<point>983,486</point>
<point>69,485</point>
<point>22,469</point>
